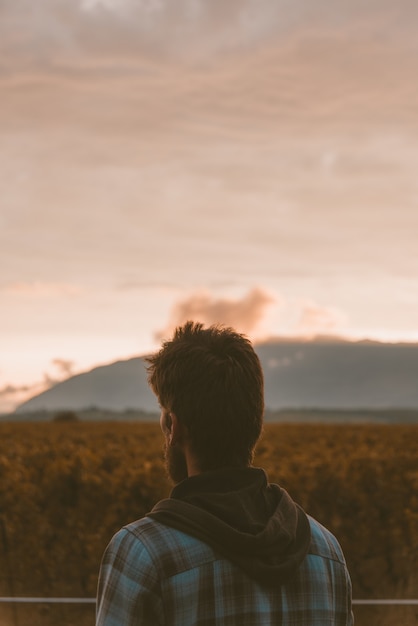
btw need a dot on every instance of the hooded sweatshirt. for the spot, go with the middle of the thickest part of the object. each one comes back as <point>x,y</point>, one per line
<point>254,524</point>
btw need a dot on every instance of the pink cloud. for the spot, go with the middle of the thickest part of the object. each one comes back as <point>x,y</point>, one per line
<point>244,314</point>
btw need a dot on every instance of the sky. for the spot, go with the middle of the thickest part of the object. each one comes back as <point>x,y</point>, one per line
<point>251,162</point>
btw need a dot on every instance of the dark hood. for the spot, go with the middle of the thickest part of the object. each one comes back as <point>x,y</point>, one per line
<point>254,524</point>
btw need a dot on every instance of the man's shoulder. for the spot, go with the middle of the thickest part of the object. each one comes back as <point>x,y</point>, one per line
<point>324,543</point>
<point>172,551</point>
<point>147,530</point>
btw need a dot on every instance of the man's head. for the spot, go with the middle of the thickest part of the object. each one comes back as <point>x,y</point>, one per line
<point>211,380</point>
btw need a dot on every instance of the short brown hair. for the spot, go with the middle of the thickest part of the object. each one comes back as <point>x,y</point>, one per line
<point>211,378</point>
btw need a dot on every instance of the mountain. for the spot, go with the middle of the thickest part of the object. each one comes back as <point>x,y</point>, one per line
<point>328,373</point>
<point>117,387</point>
<point>322,373</point>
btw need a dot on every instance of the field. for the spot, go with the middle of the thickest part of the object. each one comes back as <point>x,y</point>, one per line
<point>65,488</point>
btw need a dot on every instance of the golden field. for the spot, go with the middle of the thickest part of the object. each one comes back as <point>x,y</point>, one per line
<point>65,488</point>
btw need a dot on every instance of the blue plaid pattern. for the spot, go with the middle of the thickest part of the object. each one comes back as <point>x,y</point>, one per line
<point>152,575</point>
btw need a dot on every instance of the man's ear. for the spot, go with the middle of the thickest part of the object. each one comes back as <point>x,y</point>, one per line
<point>176,429</point>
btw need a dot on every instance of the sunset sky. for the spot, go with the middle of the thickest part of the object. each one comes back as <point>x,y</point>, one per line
<point>253,162</point>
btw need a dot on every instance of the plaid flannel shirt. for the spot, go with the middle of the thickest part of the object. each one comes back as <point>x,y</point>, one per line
<point>152,575</point>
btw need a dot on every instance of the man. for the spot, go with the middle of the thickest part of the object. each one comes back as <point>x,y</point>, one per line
<point>227,547</point>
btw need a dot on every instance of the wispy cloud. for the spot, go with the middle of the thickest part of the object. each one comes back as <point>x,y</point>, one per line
<point>64,366</point>
<point>11,395</point>
<point>40,289</point>
<point>315,319</point>
<point>60,33</point>
<point>10,390</point>
<point>65,32</point>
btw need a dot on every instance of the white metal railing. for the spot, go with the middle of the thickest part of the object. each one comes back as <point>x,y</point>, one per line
<point>381,601</point>
<point>28,600</point>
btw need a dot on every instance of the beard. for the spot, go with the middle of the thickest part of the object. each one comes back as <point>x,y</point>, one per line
<point>175,463</point>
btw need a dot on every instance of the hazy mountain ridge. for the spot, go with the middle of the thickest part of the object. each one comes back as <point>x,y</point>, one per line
<point>324,374</point>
